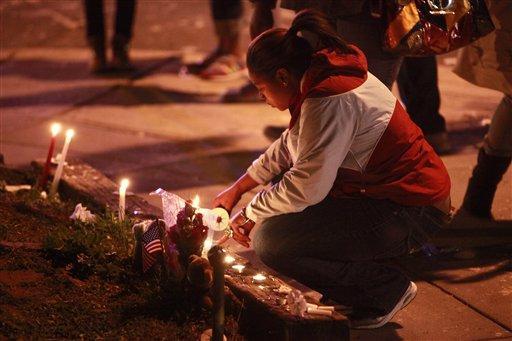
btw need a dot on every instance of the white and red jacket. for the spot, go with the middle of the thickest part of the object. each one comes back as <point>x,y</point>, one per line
<point>348,136</point>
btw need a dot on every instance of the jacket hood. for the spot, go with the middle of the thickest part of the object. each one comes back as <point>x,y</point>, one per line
<point>330,73</point>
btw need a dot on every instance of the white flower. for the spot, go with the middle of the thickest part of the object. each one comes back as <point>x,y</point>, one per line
<point>81,213</point>
<point>296,302</point>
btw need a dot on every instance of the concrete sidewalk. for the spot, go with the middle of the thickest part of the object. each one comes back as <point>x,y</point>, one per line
<point>163,129</point>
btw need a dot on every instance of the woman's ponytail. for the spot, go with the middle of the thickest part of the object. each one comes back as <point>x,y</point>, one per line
<point>280,48</point>
<point>319,26</point>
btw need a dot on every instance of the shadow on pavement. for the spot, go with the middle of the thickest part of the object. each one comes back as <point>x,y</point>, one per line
<point>66,70</point>
<point>387,332</point>
<point>124,95</point>
<point>462,137</point>
<point>223,168</point>
<point>176,165</point>
<point>134,95</point>
<point>497,260</point>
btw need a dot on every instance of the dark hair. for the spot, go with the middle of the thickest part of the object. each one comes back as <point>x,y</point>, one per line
<point>280,48</point>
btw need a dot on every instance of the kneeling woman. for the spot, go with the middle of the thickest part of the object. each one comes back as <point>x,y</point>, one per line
<point>357,184</point>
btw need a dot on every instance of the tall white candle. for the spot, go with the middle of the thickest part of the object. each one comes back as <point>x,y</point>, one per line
<point>58,173</point>
<point>122,198</point>
<point>195,202</point>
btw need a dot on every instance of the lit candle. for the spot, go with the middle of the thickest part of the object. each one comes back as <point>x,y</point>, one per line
<point>259,277</point>
<point>55,129</point>
<point>122,198</point>
<point>195,202</point>
<point>229,259</point>
<point>207,244</point>
<point>239,267</point>
<point>58,173</point>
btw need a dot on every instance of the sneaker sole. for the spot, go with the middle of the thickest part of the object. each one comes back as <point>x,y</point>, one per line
<point>408,296</point>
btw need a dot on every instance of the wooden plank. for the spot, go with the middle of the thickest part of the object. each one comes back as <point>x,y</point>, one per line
<point>86,184</point>
<point>266,316</point>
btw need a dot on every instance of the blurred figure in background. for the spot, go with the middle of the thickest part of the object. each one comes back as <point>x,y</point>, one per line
<point>417,84</point>
<point>488,63</point>
<point>261,20</point>
<point>354,20</point>
<point>95,25</point>
<point>226,61</point>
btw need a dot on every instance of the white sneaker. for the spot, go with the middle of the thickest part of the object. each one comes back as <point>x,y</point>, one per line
<point>377,322</point>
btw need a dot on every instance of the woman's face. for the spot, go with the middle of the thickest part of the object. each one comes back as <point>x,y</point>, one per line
<point>277,92</point>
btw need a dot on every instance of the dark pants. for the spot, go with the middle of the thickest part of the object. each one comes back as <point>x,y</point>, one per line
<point>125,10</point>
<point>337,247</point>
<point>365,32</point>
<point>417,83</point>
<point>226,9</point>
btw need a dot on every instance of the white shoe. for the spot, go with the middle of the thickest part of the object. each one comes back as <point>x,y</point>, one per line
<point>377,322</point>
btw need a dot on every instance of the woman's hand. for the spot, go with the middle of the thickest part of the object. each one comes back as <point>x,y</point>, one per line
<point>241,227</point>
<point>231,196</point>
<point>228,198</point>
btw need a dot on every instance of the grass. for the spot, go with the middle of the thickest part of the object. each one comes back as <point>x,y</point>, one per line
<point>81,284</point>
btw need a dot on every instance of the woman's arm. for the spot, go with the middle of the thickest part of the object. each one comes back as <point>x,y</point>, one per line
<point>231,195</point>
<point>274,161</point>
<point>327,129</point>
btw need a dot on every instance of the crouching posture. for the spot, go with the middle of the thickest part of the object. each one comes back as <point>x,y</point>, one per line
<point>354,181</point>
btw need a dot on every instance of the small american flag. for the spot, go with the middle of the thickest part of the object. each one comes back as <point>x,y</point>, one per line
<point>151,244</point>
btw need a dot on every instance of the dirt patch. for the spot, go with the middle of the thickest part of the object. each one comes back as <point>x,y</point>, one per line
<point>19,277</point>
<point>83,286</point>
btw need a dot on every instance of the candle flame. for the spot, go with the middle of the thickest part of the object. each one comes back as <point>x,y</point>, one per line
<point>56,128</point>
<point>207,244</point>
<point>125,183</point>
<point>195,202</point>
<point>259,277</point>
<point>238,267</point>
<point>70,133</point>
<point>229,259</point>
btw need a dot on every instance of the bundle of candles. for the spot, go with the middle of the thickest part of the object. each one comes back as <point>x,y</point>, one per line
<point>55,130</point>
<point>43,179</point>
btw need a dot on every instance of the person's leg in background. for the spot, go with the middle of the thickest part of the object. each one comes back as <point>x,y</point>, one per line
<point>494,158</point>
<point>226,59</point>
<point>417,84</point>
<point>95,34</point>
<point>125,13</point>
<point>365,32</point>
<point>261,19</point>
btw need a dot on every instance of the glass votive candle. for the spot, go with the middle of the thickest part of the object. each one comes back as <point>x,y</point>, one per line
<point>228,259</point>
<point>259,278</point>
<point>238,267</point>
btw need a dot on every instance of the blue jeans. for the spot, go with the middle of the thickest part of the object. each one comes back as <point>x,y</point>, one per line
<point>338,246</point>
